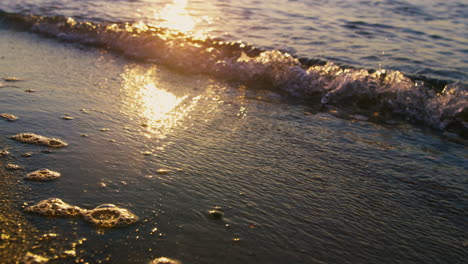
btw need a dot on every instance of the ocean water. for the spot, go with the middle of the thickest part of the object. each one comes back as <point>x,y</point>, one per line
<point>325,131</point>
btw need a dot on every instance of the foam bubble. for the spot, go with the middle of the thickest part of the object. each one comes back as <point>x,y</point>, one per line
<point>9,117</point>
<point>42,175</point>
<point>32,138</point>
<point>55,207</point>
<point>109,215</point>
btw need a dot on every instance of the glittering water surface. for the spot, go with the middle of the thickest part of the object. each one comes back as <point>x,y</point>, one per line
<point>413,36</point>
<point>295,185</point>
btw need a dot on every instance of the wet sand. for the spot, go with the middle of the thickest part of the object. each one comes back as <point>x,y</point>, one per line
<point>16,234</point>
<point>215,172</point>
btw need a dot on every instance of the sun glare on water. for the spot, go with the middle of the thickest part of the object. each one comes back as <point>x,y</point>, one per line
<point>159,109</point>
<point>175,16</point>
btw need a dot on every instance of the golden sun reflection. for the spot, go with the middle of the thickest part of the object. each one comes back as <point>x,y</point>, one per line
<point>159,109</point>
<point>175,16</point>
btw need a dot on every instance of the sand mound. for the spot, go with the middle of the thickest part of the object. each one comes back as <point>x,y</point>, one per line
<point>32,138</point>
<point>42,175</point>
<point>109,215</point>
<point>55,207</point>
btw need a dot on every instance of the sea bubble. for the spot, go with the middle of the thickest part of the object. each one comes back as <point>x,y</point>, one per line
<point>55,207</point>
<point>109,215</point>
<point>42,175</point>
<point>32,138</point>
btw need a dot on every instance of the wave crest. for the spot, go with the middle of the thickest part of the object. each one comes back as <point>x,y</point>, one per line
<point>378,90</point>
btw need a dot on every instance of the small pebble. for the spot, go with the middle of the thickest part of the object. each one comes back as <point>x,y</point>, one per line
<point>11,166</point>
<point>164,260</point>
<point>360,117</point>
<point>30,90</point>
<point>163,171</point>
<point>4,152</point>
<point>67,117</point>
<point>11,79</point>
<point>216,214</point>
<point>104,129</point>
<point>26,154</point>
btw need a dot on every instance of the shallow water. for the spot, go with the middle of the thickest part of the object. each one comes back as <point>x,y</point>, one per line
<point>294,184</point>
<point>398,59</point>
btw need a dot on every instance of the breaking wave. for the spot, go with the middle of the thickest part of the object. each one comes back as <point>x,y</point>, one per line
<point>437,103</point>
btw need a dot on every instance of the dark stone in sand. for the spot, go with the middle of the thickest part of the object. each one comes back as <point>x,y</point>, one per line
<point>216,214</point>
